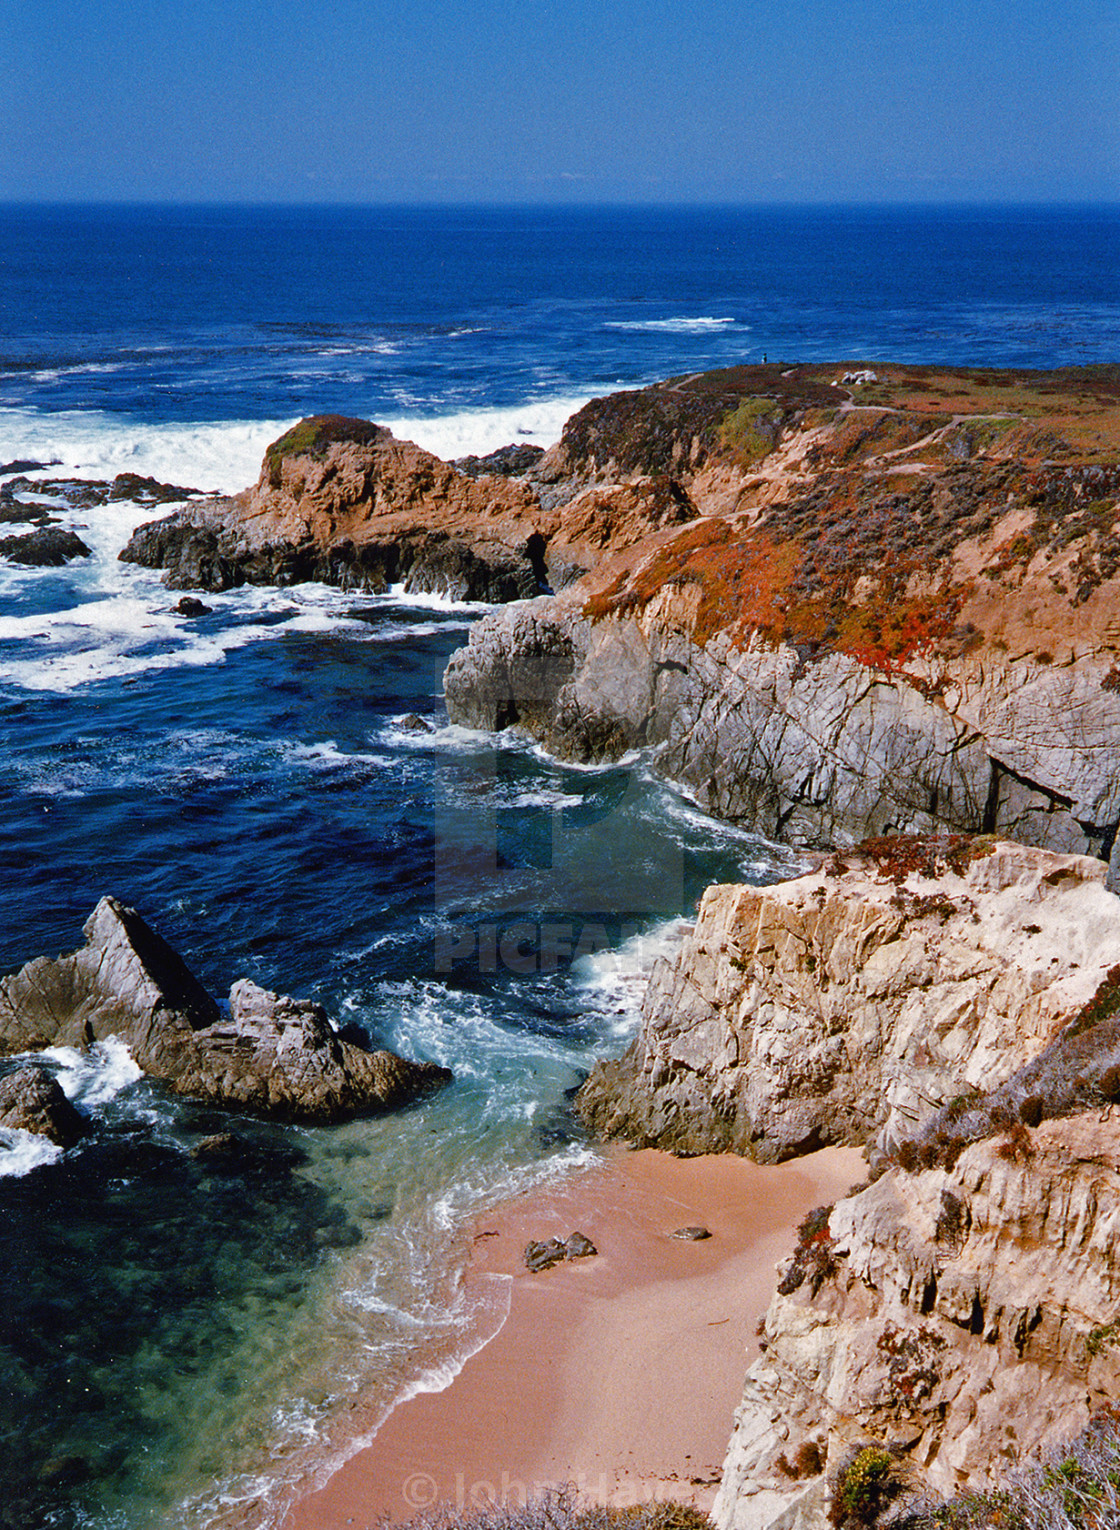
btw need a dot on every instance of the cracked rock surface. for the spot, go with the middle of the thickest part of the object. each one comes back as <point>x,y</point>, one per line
<point>846,1007</point>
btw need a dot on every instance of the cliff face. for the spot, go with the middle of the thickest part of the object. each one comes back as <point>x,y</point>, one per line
<point>955,1006</point>
<point>962,1318</point>
<point>895,611</point>
<point>846,1007</point>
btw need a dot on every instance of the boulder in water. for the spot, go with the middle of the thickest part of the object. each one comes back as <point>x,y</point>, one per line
<point>46,548</point>
<point>273,1055</point>
<point>32,1101</point>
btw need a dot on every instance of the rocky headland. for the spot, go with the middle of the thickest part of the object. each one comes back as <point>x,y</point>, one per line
<point>270,1055</point>
<point>893,611</point>
<point>343,502</point>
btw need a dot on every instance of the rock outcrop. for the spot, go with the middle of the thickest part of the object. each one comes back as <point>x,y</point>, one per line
<point>343,502</point>
<point>890,614</point>
<point>954,1005</point>
<point>272,1055</point>
<point>846,1006</point>
<point>962,1318</point>
<point>32,1101</point>
<point>46,548</point>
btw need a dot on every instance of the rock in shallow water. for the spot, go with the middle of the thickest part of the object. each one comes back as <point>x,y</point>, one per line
<point>543,1255</point>
<point>274,1056</point>
<point>32,1101</point>
<point>46,548</point>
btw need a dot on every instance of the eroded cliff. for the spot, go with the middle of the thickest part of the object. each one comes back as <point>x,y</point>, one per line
<point>895,610</point>
<point>961,1318</point>
<point>847,1006</point>
<point>954,1005</point>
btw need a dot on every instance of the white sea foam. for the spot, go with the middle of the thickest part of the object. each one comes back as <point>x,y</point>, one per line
<point>225,456</point>
<point>429,600</point>
<point>447,738</point>
<point>93,1078</point>
<point>328,756</point>
<point>612,982</point>
<point>21,1152</point>
<point>476,432</point>
<point>590,767</point>
<point>678,326</point>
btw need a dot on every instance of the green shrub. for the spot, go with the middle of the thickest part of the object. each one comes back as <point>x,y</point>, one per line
<point>862,1488</point>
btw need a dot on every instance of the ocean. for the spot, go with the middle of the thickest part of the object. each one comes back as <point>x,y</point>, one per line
<point>183,1340</point>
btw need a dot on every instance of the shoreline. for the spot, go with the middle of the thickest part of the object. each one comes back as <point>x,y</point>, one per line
<point>619,1372</point>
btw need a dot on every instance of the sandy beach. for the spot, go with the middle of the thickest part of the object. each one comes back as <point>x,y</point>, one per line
<point>620,1372</point>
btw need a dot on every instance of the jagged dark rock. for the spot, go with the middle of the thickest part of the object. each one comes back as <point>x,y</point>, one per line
<point>46,548</point>
<point>23,465</point>
<point>273,1055</point>
<point>14,512</point>
<point>543,1255</point>
<point>188,606</point>
<point>148,490</point>
<point>507,462</point>
<point>32,1101</point>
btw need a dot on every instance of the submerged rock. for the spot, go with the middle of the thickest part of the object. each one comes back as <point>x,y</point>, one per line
<point>189,606</point>
<point>32,1101</point>
<point>273,1055</point>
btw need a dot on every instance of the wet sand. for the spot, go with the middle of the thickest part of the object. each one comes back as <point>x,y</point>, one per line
<point>620,1372</point>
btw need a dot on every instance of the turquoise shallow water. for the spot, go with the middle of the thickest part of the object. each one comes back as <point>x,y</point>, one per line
<point>178,1337</point>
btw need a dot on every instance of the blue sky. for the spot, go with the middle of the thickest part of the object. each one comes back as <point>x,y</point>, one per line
<point>559,100</point>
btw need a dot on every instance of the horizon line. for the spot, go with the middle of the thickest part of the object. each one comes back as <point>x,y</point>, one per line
<point>558,205</point>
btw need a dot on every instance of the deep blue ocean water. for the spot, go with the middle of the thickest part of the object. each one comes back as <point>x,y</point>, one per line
<point>177,1340</point>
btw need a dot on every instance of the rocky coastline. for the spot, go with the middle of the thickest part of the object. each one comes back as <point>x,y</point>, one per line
<point>950,1006</point>
<point>886,617</point>
<point>871,613</point>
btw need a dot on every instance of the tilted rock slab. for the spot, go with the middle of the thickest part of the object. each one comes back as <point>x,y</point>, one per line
<point>273,1055</point>
<point>966,1321</point>
<point>842,1008</point>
